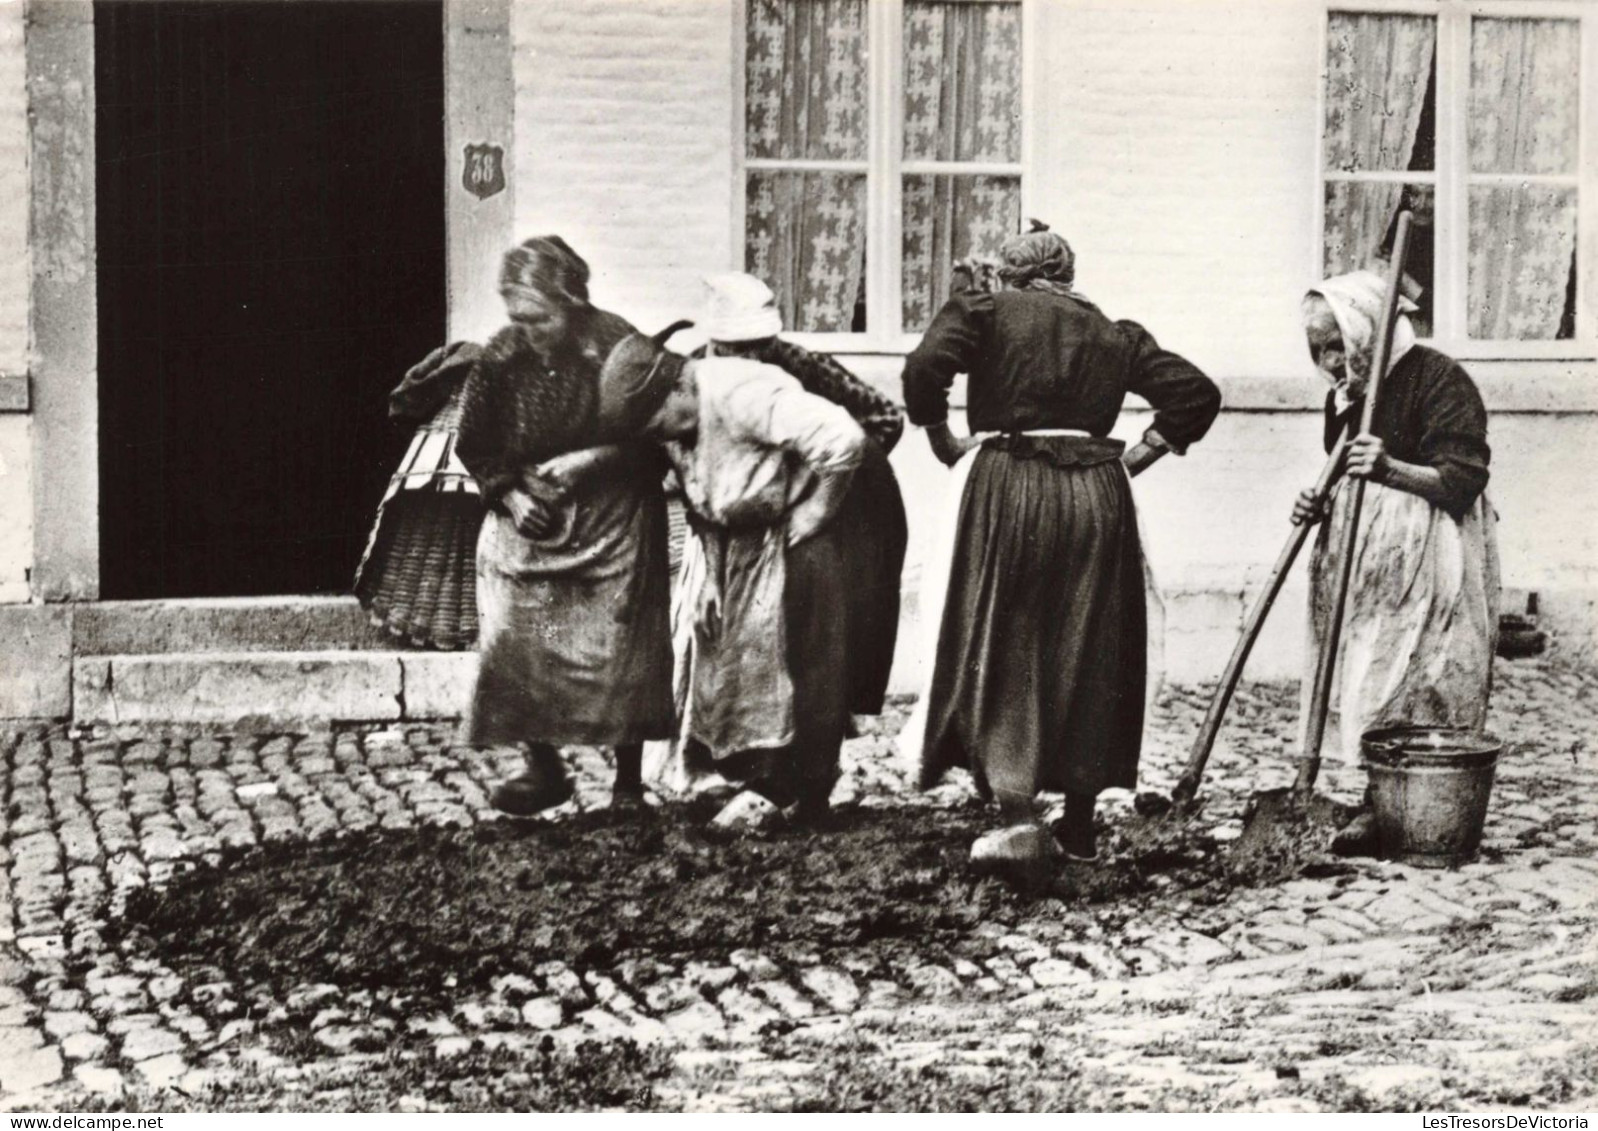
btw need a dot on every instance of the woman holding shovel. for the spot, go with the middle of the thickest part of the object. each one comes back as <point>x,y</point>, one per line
<point>1418,633</point>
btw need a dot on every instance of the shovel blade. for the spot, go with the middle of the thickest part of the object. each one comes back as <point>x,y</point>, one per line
<point>1285,829</point>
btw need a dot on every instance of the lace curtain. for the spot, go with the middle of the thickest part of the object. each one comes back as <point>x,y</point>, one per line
<point>805,235</point>
<point>1524,117</point>
<point>806,98</point>
<point>1378,67</point>
<point>962,102</point>
<point>948,218</point>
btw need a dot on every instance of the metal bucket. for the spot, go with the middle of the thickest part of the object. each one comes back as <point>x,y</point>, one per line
<point>1429,791</point>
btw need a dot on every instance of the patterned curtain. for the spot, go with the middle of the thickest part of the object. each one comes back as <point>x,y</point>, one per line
<point>1378,68</point>
<point>962,81</point>
<point>806,98</point>
<point>948,218</point>
<point>962,102</point>
<point>1524,118</point>
<point>804,234</point>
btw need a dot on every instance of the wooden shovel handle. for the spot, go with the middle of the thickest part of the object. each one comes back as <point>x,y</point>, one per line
<point>1199,754</point>
<point>1309,766</point>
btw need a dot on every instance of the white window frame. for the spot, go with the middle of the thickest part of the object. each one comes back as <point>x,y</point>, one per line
<point>884,167</point>
<point>1452,176</point>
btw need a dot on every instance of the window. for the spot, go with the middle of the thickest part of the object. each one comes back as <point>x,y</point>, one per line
<point>882,142</point>
<point>1469,114</point>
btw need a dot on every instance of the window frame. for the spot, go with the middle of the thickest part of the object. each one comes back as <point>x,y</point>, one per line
<point>1452,176</point>
<point>884,168</point>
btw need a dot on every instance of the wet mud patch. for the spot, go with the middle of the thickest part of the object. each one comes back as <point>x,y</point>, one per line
<point>436,913</point>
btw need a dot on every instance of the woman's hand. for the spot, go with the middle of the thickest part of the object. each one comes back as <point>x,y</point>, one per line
<point>1142,455</point>
<point>532,518</point>
<point>1309,508</point>
<point>710,606</point>
<point>1367,458</point>
<point>810,515</point>
<point>564,473</point>
<point>805,522</point>
<point>946,446</point>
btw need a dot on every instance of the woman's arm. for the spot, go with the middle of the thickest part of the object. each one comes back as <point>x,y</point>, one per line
<point>1185,401</point>
<point>1368,459</point>
<point>1143,454</point>
<point>569,471</point>
<point>949,347</point>
<point>823,437</point>
<point>946,446</point>
<point>826,377</point>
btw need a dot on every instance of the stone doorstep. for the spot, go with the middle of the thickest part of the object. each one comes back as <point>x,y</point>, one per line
<point>226,624</point>
<point>267,689</point>
<point>45,651</point>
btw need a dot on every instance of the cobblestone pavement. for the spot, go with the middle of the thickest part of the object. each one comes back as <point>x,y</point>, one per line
<point>1468,988</point>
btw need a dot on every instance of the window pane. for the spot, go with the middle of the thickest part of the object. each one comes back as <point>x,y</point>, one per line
<point>1522,262</point>
<point>1361,221</point>
<point>805,236</point>
<point>962,81</point>
<point>805,75</point>
<point>948,218</point>
<point>1379,70</point>
<point>1525,95</point>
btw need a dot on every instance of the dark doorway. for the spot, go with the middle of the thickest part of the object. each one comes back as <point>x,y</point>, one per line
<point>271,258</point>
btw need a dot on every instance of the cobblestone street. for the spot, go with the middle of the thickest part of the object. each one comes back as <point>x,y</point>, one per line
<point>1380,985</point>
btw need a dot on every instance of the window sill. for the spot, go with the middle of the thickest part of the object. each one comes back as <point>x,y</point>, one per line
<point>1529,386</point>
<point>1532,386</point>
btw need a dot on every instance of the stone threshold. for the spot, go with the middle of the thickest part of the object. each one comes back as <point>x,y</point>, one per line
<point>253,690</point>
<point>303,658</point>
<point>279,658</point>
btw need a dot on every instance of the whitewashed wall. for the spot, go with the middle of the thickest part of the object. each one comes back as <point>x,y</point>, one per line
<point>624,116</point>
<point>1174,142</point>
<point>16,458</point>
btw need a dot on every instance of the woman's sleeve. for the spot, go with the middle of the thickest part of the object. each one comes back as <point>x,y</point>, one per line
<point>826,377</point>
<point>1185,401</point>
<point>951,346</point>
<point>479,438</point>
<point>1453,437</point>
<point>780,414</point>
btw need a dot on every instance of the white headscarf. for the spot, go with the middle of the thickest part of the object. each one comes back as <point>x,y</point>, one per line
<point>1356,300</point>
<point>739,308</point>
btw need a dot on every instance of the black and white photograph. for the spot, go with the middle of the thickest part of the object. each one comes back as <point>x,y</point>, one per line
<point>798,556</point>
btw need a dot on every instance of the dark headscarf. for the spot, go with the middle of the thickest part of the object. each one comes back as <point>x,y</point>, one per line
<point>546,264</point>
<point>1038,260</point>
<point>638,376</point>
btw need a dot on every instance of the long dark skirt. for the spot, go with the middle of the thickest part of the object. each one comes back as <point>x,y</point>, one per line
<point>1042,652</point>
<point>841,604</point>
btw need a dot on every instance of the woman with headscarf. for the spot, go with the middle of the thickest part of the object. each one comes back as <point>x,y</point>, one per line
<point>572,578</point>
<point>1422,614</point>
<point>790,567</point>
<point>741,320</point>
<point>1038,673</point>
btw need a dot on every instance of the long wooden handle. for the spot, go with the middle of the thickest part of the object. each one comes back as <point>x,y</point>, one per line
<point>1204,743</point>
<point>1309,766</point>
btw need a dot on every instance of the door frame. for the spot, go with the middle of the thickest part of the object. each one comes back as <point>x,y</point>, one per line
<point>63,401</point>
